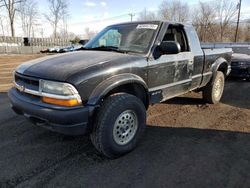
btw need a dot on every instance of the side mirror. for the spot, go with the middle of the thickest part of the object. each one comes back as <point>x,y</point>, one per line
<point>170,47</point>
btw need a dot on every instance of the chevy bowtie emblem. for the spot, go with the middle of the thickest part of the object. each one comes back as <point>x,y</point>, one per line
<point>20,88</point>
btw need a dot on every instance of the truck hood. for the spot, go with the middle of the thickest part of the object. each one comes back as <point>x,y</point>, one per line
<point>60,67</point>
<point>240,57</point>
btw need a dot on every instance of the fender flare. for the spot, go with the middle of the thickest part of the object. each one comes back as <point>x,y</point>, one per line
<point>107,85</point>
<point>216,66</point>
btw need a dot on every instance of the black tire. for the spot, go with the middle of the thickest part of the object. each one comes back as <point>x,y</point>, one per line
<point>213,91</point>
<point>112,109</point>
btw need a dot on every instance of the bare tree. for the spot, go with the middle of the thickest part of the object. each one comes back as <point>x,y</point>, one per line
<point>28,14</point>
<point>11,7</point>
<point>89,34</point>
<point>64,29</point>
<point>146,15</point>
<point>2,27</point>
<point>247,33</point>
<point>204,20</point>
<point>72,35</point>
<point>57,10</point>
<point>226,13</point>
<point>174,10</point>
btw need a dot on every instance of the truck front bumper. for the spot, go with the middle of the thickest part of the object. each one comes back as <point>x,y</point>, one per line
<point>70,121</point>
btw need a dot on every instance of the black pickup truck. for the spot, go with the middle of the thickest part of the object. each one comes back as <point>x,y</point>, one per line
<point>105,88</point>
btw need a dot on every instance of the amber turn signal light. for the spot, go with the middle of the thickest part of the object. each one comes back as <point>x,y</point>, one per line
<point>61,102</point>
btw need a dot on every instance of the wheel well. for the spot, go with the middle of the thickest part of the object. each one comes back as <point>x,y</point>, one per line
<point>133,89</point>
<point>223,68</point>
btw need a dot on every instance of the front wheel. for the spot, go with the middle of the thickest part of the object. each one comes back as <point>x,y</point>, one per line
<point>212,92</point>
<point>119,124</point>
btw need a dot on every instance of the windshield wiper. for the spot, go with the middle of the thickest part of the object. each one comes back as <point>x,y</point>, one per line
<point>106,48</point>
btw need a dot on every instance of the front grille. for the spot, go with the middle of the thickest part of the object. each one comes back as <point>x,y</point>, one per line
<point>27,82</point>
<point>234,63</point>
<point>30,96</point>
<point>241,63</point>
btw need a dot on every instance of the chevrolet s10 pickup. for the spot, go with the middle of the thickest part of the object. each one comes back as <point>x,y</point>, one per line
<point>104,89</point>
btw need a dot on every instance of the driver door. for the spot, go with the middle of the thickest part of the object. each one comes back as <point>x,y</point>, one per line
<point>171,74</point>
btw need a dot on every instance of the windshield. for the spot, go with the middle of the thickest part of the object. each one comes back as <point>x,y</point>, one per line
<point>125,38</point>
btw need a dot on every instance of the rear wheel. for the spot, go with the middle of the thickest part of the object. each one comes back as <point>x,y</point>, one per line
<point>212,92</point>
<point>119,124</point>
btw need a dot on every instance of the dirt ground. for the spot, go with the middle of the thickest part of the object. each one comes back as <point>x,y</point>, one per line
<point>188,143</point>
<point>232,114</point>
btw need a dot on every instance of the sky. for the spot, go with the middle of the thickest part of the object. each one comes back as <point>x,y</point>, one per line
<point>95,15</point>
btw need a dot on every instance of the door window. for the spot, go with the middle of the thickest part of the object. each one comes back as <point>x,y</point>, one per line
<point>177,34</point>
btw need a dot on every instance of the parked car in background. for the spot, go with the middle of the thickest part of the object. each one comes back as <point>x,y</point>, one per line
<point>57,49</point>
<point>54,49</point>
<point>70,48</point>
<point>240,66</point>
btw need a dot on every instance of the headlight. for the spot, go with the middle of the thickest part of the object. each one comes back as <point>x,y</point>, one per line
<point>59,93</point>
<point>57,88</point>
<point>241,63</point>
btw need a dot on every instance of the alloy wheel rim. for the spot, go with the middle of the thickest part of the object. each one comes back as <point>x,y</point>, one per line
<point>125,127</point>
<point>217,88</point>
